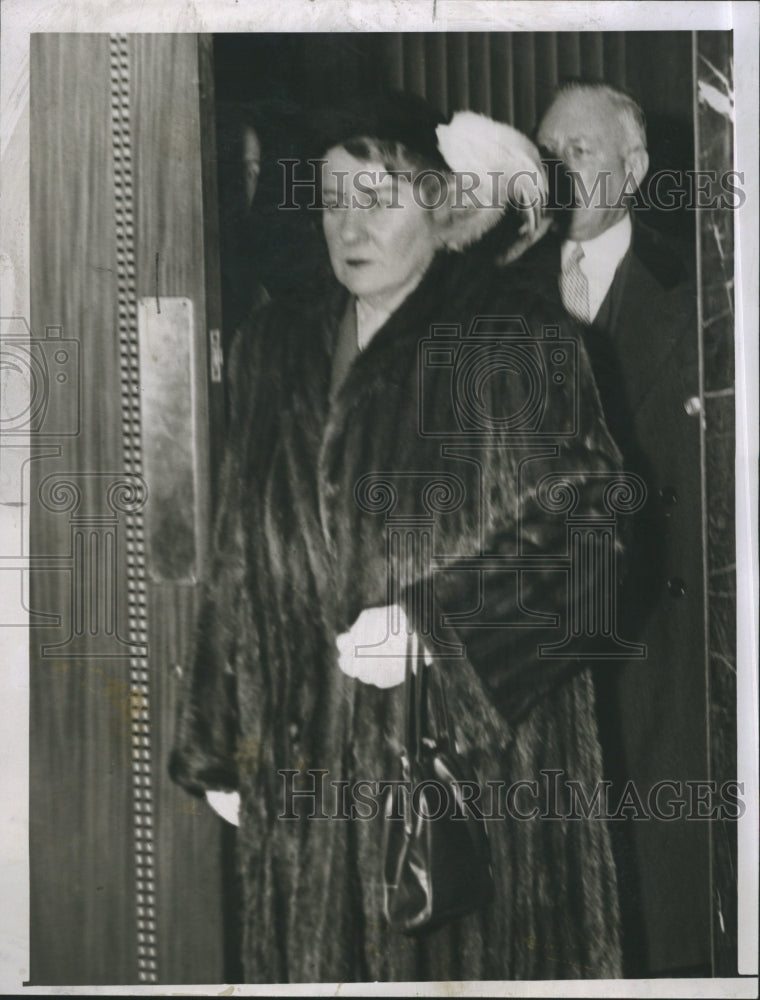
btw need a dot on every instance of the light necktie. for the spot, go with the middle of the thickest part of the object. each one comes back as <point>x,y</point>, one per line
<point>574,287</point>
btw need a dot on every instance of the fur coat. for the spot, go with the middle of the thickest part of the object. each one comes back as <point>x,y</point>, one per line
<point>299,552</point>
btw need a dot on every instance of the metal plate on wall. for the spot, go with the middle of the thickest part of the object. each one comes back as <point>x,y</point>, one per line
<point>169,439</point>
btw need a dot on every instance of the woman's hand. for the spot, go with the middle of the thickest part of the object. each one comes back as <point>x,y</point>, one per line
<point>226,805</point>
<point>387,630</point>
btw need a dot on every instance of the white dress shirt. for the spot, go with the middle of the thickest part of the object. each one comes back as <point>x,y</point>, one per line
<point>601,259</point>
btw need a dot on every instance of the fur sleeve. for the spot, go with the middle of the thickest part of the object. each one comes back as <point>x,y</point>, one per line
<point>204,750</point>
<point>501,616</point>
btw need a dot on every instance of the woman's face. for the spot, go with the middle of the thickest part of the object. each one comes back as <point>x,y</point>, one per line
<point>380,238</point>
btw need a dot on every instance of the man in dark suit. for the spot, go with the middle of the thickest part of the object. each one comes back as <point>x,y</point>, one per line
<point>637,302</point>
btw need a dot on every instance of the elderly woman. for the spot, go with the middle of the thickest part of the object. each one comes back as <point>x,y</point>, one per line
<point>353,414</point>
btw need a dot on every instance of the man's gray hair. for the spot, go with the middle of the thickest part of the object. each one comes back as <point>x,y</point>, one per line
<point>629,112</point>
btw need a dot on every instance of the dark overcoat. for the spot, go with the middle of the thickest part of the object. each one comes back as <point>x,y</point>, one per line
<point>643,347</point>
<point>301,549</point>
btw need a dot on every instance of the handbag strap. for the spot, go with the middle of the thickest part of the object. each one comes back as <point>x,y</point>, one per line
<point>417,710</point>
<point>415,722</point>
<point>444,728</point>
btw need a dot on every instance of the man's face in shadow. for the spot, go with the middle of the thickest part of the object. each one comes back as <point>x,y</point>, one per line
<point>599,162</point>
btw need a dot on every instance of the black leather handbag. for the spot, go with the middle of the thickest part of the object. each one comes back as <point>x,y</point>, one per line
<point>436,852</point>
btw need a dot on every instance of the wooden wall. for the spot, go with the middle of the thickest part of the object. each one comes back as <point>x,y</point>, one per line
<point>80,756</point>
<point>87,720</point>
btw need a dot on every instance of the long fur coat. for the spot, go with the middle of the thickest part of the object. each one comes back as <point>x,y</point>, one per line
<point>301,549</point>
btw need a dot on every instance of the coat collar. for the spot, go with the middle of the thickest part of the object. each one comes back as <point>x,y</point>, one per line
<point>437,298</point>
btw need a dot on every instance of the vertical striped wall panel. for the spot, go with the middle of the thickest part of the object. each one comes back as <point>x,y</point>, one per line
<point>511,75</point>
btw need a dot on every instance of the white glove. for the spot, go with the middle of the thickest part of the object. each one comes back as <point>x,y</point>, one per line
<point>386,629</point>
<point>226,804</point>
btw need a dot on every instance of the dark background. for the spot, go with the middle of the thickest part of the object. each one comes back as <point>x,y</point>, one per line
<point>510,76</point>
